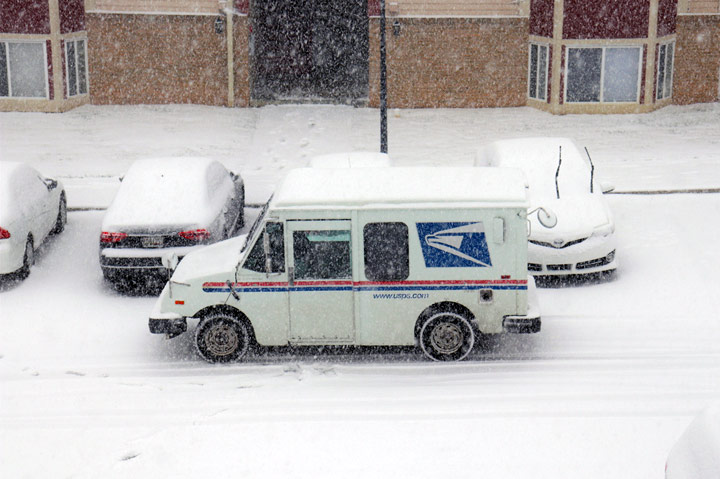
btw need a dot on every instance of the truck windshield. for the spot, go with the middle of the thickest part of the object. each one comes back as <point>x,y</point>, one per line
<point>256,224</point>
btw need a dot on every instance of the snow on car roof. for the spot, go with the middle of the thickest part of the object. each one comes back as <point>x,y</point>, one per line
<point>162,191</point>
<point>347,187</point>
<point>352,159</point>
<point>539,159</point>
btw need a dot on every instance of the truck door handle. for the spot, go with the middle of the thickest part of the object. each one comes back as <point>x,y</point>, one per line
<point>291,276</point>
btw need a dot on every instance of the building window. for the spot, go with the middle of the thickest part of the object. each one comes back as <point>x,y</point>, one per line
<point>666,53</point>
<point>538,71</point>
<point>75,55</point>
<point>23,70</point>
<point>387,251</point>
<point>602,74</point>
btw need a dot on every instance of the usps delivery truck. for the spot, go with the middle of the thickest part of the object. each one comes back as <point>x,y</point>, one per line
<point>433,257</point>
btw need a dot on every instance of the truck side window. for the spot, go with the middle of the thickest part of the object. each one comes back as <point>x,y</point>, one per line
<point>322,254</point>
<point>256,259</point>
<point>387,253</point>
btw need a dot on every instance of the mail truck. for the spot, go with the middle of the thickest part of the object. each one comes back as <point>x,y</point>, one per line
<point>429,256</point>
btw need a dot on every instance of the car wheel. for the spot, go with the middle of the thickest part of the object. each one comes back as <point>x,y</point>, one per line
<point>222,338</point>
<point>61,220</point>
<point>447,336</point>
<point>28,259</point>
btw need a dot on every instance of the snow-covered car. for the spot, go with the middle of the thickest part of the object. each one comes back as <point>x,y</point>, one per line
<point>696,455</point>
<point>571,225</point>
<point>351,159</point>
<point>166,206</point>
<point>31,208</point>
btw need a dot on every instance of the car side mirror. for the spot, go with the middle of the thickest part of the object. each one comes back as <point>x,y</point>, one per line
<point>50,184</point>
<point>607,187</point>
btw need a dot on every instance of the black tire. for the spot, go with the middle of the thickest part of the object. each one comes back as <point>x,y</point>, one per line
<point>446,336</point>
<point>61,220</point>
<point>28,259</point>
<point>222,338</point>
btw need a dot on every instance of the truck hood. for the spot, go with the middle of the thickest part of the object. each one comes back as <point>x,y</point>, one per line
<point>214,259</point>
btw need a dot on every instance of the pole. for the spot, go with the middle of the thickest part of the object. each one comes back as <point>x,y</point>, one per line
<point>383,83</point>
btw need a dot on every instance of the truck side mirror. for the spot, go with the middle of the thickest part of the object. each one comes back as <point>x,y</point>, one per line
<point>546,217</point>
<point>170,262</point>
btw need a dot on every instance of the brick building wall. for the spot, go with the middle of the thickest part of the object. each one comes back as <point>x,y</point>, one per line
<point>452,62</point>
<point>241,53</point>
<point>136,59</point>
<point>697,60</point>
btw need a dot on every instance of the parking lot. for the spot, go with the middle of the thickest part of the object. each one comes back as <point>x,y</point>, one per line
<point>618,371</point>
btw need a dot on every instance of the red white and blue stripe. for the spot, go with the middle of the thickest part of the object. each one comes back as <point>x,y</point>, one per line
<point>413,286</point>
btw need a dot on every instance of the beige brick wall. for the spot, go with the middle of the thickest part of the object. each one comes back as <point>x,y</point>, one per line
<point>135,59</point>
<point>242,60</point>
<point>447,62</point>
<point>697,59</point>
<point>465,8</point>
<point>698,6</point>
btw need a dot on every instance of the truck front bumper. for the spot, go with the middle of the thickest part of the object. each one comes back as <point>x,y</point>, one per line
<point>170,326</point>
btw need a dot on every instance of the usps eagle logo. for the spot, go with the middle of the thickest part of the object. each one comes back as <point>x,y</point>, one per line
<point>454,245</point>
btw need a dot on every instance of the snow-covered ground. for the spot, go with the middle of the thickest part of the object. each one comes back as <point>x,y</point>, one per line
<point>672,148</point>
<point>618,371</point>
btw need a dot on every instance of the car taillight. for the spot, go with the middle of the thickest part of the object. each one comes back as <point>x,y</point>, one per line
<point>106,237</point>
<point>4,234</point>
<point>195,235</point>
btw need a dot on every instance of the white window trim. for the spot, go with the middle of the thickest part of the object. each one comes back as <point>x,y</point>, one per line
<point>602,74</point>
<point>537,77</point>
<point>671,72</point>
<point>9,75</point>
<point>77,71</point>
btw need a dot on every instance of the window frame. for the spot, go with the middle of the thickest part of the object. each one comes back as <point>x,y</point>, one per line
<point>273,231</point>
<point>74,42</point>
<point>603,49</point>
<point>8,72</point>
<point>538,73</point>
<point>660,92</point>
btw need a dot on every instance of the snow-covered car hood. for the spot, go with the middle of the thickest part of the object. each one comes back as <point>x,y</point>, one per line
<point>218,258</point>
<point>577,217</point>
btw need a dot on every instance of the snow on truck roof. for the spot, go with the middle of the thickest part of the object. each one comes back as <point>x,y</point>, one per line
<point>351,159</point>
<point>359,187</point>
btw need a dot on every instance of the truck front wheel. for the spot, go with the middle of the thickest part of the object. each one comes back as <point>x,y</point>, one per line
<point>446,336</point>
<point>222,338</point>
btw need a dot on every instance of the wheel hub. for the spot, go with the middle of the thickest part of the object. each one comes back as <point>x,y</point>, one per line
<point>222,340</point>
<point>446,338</point>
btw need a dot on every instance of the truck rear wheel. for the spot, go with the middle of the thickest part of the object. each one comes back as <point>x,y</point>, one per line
<point>447,336</point>
<point>222,338</point>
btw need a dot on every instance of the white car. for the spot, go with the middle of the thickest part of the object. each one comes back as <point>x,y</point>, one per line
<point>166,206</point>
<point>571,225</point>
<point>31,208</point>
<point>696,455</point>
